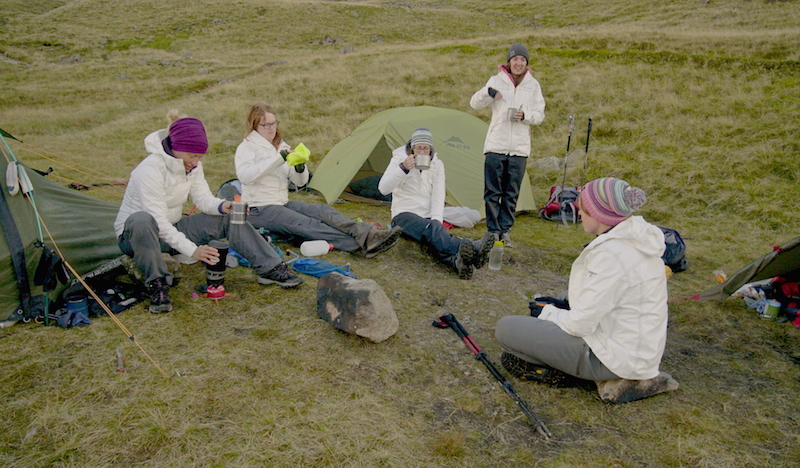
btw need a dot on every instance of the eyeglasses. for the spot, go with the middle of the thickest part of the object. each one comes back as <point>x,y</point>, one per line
<point>269,124</point>
<point>422,147</point>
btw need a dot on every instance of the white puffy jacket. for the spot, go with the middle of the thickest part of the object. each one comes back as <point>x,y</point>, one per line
<point>160,186</point>
<point>618,299</point>
<point>418,192</point>
<point>505,136</point>
<point>263,172</point>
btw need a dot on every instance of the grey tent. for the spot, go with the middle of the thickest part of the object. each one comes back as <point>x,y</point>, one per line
<point>82,226</point>
<point>782,261</point>
<point>458,139</point>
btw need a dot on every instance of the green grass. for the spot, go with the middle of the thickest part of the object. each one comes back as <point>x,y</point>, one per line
<point>694,102</point>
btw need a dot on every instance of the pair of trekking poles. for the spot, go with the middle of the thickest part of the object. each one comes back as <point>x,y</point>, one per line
<point>450,321</point>
<point>586,151</point>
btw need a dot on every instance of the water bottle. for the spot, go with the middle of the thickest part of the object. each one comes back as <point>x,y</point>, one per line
<point>496,256</point>
<point>315,247</point>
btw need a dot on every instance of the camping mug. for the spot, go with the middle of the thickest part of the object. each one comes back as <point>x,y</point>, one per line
<point>238,212</point>
<point>215,274</point>
<point>422,161</point>
<point>771,309</point>
<point>512,112</point>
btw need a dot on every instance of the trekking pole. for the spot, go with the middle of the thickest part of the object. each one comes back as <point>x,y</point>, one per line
<point>450,321</point>
<point>586,152</point>
<point>566,156</point>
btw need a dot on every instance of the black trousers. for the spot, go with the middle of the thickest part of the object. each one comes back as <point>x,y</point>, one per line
<point>430,233</point>
<point>502,180</point>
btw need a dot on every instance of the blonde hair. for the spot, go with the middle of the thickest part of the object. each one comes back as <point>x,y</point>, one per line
<point>173,115</point>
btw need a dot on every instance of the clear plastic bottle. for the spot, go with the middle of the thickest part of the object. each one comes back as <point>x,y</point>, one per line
<point>315,248</point>
<point>496,256</point>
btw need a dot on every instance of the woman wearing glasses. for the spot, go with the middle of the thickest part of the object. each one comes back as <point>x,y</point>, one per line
<point>265,164</point>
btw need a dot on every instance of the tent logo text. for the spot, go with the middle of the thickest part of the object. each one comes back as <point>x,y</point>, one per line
<point>455,142</point>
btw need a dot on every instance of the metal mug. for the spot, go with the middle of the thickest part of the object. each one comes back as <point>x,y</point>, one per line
<point>238,212</point>
<point>512,112</point>
<point>422,161</point>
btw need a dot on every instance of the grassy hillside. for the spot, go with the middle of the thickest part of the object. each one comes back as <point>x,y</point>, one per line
<point>695,102</point>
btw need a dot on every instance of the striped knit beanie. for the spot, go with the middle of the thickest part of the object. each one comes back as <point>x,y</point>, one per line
<point>611,200</point>
<point>422,136</point>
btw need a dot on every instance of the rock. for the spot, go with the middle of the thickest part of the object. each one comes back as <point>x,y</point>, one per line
<point>623,391</point>
<point>328,40</point>
<point>74,58</point>
<point>6,59</point>
<point>358,307</point>
<point>347,50</point>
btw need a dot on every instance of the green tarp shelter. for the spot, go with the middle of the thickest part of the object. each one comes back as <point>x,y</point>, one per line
<point>82,227</point>
<point>782,261</point>
<point>457,138</point>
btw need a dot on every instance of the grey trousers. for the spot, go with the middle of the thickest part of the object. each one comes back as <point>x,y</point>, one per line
<point>311,221</point>
<point>140,240</point>
<point>543,343</point>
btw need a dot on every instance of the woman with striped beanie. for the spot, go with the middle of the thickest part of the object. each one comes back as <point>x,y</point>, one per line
<point>612,328</point>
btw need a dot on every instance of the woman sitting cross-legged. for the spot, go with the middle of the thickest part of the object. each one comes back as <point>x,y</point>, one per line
<point>612,326</point>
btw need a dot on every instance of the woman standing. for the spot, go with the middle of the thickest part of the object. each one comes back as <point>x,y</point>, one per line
<point>517,103</point>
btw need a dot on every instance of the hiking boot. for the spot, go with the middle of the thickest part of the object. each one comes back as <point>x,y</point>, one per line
<point>457,261</point>
<point>623,391</point>
<point>380,240</point>
<point>281,276</point>
<point>529,372</point>
<point>481,250</point>
<point>466,252</point>
<point>522,369</point>
<point>159,296</point>
<point>506,238</point>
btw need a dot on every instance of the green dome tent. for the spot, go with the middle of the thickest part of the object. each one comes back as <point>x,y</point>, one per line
<point>82,227</point>
<point>781,261</point>
<point>457,138</point>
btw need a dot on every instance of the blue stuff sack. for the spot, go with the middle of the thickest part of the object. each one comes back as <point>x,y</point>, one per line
<point>319,268</point>
<point>76,314</point>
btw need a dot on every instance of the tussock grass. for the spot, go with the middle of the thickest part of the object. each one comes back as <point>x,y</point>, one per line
<point>692,101</point>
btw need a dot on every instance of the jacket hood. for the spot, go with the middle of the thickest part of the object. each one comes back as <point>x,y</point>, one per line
<point>258,139</point>
<point>643,236</point>
<point>152,144</point>
<point>503,69</point>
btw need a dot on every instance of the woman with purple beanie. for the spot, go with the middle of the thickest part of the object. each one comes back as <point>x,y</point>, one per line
<point>611,328</point>
<point>151,221</point>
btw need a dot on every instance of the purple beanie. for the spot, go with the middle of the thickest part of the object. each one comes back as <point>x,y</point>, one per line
<point>188,135</point>
<point>611,200</point>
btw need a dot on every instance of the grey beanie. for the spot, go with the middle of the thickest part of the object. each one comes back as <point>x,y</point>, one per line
<point>518,49</point>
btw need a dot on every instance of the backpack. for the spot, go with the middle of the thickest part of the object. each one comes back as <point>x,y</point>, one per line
<point>675,252</point>
<point>116,295</point>
<point>562,205</point>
